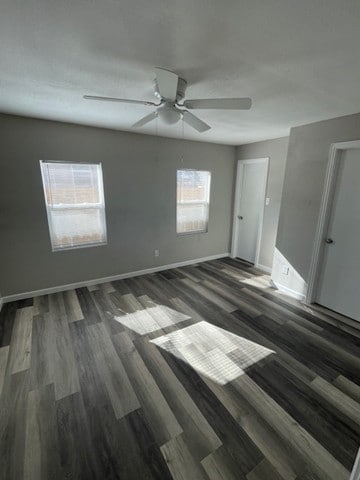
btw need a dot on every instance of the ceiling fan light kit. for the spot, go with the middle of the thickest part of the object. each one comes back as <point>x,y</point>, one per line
<point>170,90</point>
<point>169,114</point>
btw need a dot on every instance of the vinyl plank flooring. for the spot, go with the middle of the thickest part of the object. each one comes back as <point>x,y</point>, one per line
<point>107,287</point>
<point>307,476</point>
<point>200,437</point>
<point>41,305</point>
<point>139,453</point>
<point>313,414</point>
<point>158,413</point>
<point>26,302</point>
<point>43,346</point>
<point>215,273</point>
<point>236,441</point>
<point>211,296</point>
<point>121,393</point>
<point>87,306</point>
<point>321,461</point>
<point>65,372</point>
<point>12,425</point>
<point>41,441</point>
<point>7,320</point>
<point>233,298</point>
<point>158,289</point>
<point>220,465</point>
<point>187,272</point>
<point>342,402</point>
<point>72,306</point>
<point>98,411</point>
<point>277,451</point>
<point>347,360</point>
<point>295,346</point>
<point>264,471</point>
<point>181,462</point>
<point>107,311</point>
<point>200,372</point>
<point>4,354</point>
<point>92,388</point>
<point>20,346</point>
<point>57,304</point>
<point>77,450</point>
<point>348,387</point>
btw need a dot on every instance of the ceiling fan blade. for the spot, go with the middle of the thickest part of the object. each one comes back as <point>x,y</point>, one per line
<point>195,122</point>
<point>167,82</point>
<point>219,103</point>
<point>145,120</point>
<point>121,100</point>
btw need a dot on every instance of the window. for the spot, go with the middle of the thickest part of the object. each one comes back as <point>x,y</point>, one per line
<point>193,194</point>
<point>74,198</point>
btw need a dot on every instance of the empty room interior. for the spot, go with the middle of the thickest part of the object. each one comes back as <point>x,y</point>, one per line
<point>179,240</point>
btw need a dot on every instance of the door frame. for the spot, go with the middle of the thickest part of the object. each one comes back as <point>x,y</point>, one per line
<point>336,151</point>
<point>238,192</point>
<point>355,474</point>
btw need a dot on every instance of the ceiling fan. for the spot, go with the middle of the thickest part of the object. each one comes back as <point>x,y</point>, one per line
<point>169,89</point>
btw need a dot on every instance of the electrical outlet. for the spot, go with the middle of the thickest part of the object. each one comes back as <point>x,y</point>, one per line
<point>285,270</point>
<point>267,201</point>
<point>156,252</point>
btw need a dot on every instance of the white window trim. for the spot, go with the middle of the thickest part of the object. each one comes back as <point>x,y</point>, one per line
<point>100,205</point>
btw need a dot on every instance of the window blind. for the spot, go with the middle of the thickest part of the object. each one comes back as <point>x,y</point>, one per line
<point>193,195</point>
<point>75,204</point>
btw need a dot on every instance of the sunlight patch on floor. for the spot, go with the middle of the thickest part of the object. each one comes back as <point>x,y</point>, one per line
<point>151,319</point>
<point>213,352</point>
<point>260,281</point>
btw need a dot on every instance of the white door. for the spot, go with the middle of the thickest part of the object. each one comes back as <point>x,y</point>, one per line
<point>249,210</point>
<point>339,279</point>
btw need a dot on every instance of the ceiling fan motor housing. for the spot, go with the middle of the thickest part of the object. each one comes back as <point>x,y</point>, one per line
<point>180,93</point>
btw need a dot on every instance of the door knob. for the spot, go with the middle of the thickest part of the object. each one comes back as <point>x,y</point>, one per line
<point>240,217</point>
<point>329,240</point>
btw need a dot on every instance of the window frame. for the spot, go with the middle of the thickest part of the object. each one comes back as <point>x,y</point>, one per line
<point>194,202</point>
<point>100,205</point>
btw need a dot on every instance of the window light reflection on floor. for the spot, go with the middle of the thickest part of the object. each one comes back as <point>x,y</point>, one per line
<point>213,352</point>
<point>151,319</point>
<point>259,281</point>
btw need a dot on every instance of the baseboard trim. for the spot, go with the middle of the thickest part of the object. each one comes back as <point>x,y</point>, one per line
<point>96,281</point>
<point>355,474</point>
<point>263,268</point>
<point>289,291</point>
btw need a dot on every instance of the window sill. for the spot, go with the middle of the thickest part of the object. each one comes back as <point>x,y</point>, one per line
<point>76,247</point>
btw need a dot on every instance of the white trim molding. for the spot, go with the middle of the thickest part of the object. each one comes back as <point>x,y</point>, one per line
<point>336,150</point>
<point>355,474</point>
<point>235,230</point>
<point>288,291</point>
<point>1,303</point>
<point>96,281</point>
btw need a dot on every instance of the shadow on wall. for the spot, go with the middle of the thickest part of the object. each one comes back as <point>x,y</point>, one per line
<point>286,278</point>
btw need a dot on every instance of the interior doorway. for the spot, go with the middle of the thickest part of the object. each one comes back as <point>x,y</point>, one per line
<point>334,283</point>
<point>250,193</point>
<point>340,270</point>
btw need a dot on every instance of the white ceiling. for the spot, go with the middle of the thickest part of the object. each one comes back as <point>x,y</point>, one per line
<point>299,60</point>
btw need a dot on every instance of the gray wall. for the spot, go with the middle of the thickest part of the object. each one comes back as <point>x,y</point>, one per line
<point>140,181</point>
<point>308,153</point>
<point>276,150</point>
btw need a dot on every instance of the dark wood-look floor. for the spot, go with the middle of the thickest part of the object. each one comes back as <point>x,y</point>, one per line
<point>201,372</point>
